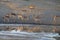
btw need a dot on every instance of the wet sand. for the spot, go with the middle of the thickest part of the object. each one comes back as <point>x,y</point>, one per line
<point>22,39</point>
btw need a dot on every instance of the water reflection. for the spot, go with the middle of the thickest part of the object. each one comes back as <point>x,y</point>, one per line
<point>13,34</point>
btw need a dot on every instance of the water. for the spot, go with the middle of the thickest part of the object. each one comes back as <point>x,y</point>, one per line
<point>22,35</point>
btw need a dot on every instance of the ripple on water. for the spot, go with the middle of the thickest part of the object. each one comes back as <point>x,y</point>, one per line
<point>25,38</point>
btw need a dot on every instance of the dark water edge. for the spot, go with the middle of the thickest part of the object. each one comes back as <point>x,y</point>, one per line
<point>57,38</point>
<point>34,24</point>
